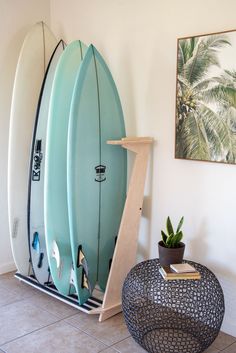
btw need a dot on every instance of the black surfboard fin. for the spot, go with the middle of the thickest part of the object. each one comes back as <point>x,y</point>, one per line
<point>110,261</point>
<point>40,262</point>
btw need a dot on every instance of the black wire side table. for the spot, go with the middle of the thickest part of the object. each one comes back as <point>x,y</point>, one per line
<point>177,316</point>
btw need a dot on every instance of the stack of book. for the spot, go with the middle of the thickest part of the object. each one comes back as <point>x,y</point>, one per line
<point>179,271</point>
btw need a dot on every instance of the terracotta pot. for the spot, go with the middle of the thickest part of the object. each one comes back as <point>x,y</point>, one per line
<point>169,256</point>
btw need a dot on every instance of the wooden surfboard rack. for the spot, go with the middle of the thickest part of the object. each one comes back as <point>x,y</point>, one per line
<point>124,257</point>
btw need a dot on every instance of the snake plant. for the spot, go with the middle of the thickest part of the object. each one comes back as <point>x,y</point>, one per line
<point>172,239</point>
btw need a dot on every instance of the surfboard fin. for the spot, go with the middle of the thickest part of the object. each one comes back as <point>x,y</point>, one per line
<point>56,254</point>
<point>110,261</point>
<point>72,280</point>
<point>85,282</point>
<point>81,260</point>
<point>35,242</point>
<point>40,262</point>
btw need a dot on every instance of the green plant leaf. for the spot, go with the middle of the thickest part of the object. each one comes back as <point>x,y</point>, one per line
<point>169,226</point>
<point>169,240</point>
<point>204,54</point>
<point>180,225</point>
<point>164,236</point>
<point>178,238</point>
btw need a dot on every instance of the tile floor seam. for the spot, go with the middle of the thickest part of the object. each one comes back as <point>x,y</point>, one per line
<point>37,307</point>
<point>226,347</point>
<point>21,285</point>
<point>47,311</point>
<point>113,344</point>
<point>104,350</point>
<point>80,311</point>
<point>29,333</point>
<point>112,347</point>
<point>27,296</point>
<point>90,335</point>
<point>13,302</point>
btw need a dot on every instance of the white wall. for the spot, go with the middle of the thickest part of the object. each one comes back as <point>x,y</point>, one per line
<point>137,38</point>
<point>16,17</point>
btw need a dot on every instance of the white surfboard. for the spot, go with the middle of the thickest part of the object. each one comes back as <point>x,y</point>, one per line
<point>34,56</point>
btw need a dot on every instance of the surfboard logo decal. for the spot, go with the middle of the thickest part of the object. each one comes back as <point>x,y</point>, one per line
<point>100,173</point>
<point>38,156</point>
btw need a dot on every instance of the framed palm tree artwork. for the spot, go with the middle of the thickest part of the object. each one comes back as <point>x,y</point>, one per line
<point>206,98</point>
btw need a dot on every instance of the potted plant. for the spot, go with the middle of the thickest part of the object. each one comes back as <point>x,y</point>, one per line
<point>171,249</point>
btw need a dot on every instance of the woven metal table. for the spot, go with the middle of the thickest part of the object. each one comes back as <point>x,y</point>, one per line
<point>177,316</point>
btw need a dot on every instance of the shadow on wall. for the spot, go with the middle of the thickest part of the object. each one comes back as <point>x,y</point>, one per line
<point>199,250</point>
<point>129,100</point>
<point>198,247</point>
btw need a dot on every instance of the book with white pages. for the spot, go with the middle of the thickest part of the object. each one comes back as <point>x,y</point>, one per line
<point>169,274</point>
<point>183,268</point>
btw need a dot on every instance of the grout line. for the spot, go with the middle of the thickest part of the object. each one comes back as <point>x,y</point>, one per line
<point>26,300</point>
<point>226,347</point>
<point>114,349</point>
<point>29,333</point>
<point>109,345</point>
<point>71,316</point>
<point>41,307</point>
<point>13,302</point>
<point>88,334</point>
<point>14,292</point>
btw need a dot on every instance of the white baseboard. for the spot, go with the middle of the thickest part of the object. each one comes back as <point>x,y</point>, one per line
<point>7,267</point>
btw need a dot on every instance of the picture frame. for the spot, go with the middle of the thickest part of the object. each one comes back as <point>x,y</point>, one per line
<point>205,125</point>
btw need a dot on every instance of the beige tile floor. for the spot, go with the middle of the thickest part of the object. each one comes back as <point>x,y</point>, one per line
<point>33,322</point>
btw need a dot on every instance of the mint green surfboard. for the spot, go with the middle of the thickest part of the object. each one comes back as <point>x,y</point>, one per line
<point>55,190</point>
<point>96,173</point>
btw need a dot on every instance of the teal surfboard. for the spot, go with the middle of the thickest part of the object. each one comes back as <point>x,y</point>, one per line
<point>96,173</point>
<point>36,233</point>
<point>55,191</point>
